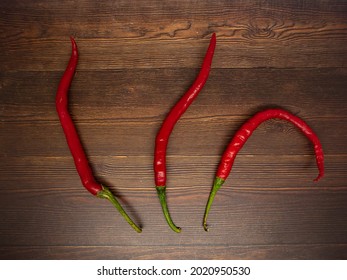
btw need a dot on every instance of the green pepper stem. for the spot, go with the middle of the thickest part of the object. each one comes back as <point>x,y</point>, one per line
<point>161,190</point>
<point>218,182</point>
<point>106,193</point>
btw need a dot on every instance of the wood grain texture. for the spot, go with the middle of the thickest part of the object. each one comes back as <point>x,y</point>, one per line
<point>157,34</point>
<point>137,58</point>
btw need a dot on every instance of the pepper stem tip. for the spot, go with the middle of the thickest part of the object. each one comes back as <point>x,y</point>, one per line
<point>161,190</point>
<point>218,182</point>
<point>106,193</point>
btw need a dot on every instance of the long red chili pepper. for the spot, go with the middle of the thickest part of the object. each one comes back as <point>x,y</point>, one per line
<point>74,142</point>
<point>244,133</point>
<point>168,125</point>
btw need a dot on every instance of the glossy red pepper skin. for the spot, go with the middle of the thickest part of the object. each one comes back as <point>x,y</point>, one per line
<point>163,135</point>
<point>245,132</point>
<point>81,162</point>
<point>249,126</point>
<point>176,112</point>
<point>71,135</point>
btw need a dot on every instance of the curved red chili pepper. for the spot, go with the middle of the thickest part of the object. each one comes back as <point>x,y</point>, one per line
<point>168,125</point>
<point>244,133</point>
<point>73,140</point>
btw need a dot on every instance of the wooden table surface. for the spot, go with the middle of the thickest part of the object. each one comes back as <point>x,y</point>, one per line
<point>137,58</point>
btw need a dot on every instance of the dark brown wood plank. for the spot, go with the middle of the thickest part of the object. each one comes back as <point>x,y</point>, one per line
<point>45,205</point>
<point>149,94</point>
<point>126,173</point>
<point>111,54</point>
<point>131,139</point>
<point>113,36</point>
<point>238,217</point>
<point>230,252</point>
<point>118,115</point>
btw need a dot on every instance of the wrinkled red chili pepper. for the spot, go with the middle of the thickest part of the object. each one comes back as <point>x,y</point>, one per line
<point>241,137</point>
<point>168,125</point>
<point>74,142</point>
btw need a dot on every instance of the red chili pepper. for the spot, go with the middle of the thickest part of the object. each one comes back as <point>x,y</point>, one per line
<point>244,133</point>
<point>168,125</point>
<point>74,142</point>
